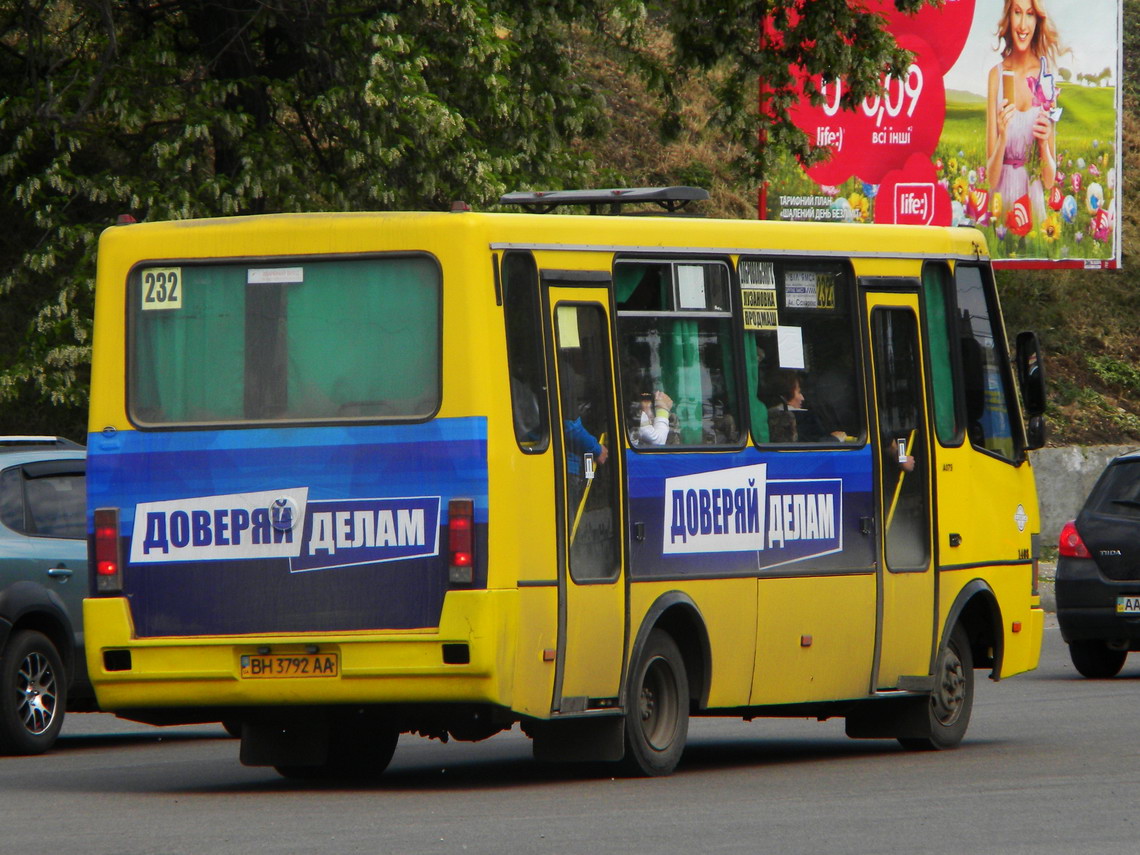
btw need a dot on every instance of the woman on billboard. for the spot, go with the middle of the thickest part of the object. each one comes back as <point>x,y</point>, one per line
<point>1022,105</point>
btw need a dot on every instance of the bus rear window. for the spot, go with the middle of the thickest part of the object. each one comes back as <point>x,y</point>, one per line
<point>293,340</point>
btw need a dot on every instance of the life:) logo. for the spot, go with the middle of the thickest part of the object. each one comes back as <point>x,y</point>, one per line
<point>914,204</point>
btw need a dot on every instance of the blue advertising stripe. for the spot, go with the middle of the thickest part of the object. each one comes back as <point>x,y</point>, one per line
<point>745,512</point>
<point>141,442</point>
<point>855,467</point>
<point>444,457</point>
<point>266,595</point>
<point>211,550</point>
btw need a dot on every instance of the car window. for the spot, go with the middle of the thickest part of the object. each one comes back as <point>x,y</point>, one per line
<point>52,505</point>
<point>1118,492</point>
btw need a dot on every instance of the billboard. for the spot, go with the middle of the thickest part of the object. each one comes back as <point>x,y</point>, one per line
<point>1005,121</point>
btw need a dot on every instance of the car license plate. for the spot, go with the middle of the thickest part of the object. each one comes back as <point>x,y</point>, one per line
<point>262,666</point>
<point>1128,605</point>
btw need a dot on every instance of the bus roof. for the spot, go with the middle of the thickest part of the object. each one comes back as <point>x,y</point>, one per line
<point>264,235</point>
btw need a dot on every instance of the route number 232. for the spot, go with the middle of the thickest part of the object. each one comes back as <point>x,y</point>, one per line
<point>162,288</point>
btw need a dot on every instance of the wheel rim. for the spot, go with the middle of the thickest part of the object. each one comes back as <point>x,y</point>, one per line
<point>658,705</point>
<point>949,695</point>
<point>36,691</point>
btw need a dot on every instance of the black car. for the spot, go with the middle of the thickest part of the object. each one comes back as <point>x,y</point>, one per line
<point>43,580</point>
<point>1098,572</point>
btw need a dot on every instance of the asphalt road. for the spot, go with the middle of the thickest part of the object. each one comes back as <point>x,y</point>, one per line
<point>1051,764</point>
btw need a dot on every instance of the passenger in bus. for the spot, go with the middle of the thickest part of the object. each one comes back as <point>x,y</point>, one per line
<point>653,415</point>
<point>579,442</point>
<point>790,421</point>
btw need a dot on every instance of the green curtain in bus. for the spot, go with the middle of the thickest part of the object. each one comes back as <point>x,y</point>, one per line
<point>756,409</point>
<point>188,362</point>
<point>353,338</point>
<point>626,279</point>
<point>361,339</point>
<point>935,278</point>
<point>681,375</point>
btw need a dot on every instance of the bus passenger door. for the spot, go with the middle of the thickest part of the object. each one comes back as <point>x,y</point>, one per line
<point>591,584</point>
<point>906,596</point>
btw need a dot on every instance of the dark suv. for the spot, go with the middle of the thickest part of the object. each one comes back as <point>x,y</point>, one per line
<point>1098,572</point>
<point>43,580</point>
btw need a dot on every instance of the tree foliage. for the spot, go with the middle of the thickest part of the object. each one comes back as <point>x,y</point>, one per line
<point>190,108</point>
<point>772,43</point>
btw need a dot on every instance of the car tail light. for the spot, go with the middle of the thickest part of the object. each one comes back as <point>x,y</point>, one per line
<point>461,540</point>
<point>1071,545</point>
<point>108,552</point>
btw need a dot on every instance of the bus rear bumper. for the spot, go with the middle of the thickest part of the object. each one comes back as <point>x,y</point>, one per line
<point>457,663</point>
<point>1023,644</point>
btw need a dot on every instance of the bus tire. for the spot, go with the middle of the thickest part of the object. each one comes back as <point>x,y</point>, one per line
<point>1094,659</point>
<point>657,711</point>
<point>33,694</point>
<point>952,700</point>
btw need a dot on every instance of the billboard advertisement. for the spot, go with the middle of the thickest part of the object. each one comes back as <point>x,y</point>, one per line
<point>1009,120</point>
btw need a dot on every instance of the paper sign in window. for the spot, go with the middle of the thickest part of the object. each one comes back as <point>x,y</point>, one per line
<point>691,287</point>
<point>790,342</point>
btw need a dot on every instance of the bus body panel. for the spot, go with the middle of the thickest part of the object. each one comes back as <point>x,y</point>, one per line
<point>534,650</point>
<point>815,639</point>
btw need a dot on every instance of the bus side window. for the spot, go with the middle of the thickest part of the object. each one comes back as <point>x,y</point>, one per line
<point>524,352</point>
<point>676,353</point>
<point>937,291</point>
<point>989,423</point>
<point>800,352</point>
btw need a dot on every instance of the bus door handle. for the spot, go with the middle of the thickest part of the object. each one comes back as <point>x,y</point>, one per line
<point>867,525</point>
<point>639,532</point>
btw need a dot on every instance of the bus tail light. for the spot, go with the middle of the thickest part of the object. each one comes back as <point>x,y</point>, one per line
<point>108,552</point>
<point>461,540</point>
<point>1071,545</point>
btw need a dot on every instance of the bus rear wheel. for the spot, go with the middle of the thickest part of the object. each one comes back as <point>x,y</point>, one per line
<point>952,699</point>
<point>657,708</point>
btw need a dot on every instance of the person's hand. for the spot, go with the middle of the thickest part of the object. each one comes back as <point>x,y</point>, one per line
<point>1042,125</point>
<point>601,458</point>
<point>1004,115</point>
<point>908,464</point>
<point>662,400</point>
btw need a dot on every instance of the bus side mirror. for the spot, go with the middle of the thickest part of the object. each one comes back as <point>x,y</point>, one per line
<point>1031,373</point>
<point>974,375</point>
<point>1035,433</point>
<point>1031,379</point>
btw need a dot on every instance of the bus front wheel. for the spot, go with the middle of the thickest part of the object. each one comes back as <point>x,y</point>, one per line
<point>657,709</point>
<point>952,699</point>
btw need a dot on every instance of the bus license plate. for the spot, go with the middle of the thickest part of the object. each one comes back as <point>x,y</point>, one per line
<point>1128,605</point>
<point>262,666</point>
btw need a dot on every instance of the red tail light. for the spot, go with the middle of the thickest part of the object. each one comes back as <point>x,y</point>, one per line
<point>108,555</point>
<point>461,540</point>
<point>1071,545</point>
